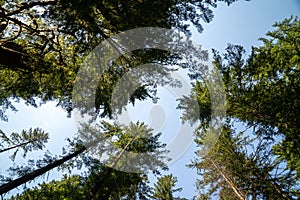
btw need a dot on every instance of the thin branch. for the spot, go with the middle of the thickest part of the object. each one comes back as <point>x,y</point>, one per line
<point>16,146</point>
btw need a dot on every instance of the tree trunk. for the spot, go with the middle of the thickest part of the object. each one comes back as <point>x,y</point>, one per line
<point>280,193</point>
<point>19,181</point>
<point>100,183</point>
<point>233,187</point>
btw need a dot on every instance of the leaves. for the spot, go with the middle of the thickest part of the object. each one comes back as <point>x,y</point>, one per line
<point>44,43</point>
<point>33,139</point>
<point>164,188</point>
<point>263,94</point>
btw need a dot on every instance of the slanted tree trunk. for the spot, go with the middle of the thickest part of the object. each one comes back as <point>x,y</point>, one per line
<point>227,179</point>
<point>100,182</point>
<point>19,181</point>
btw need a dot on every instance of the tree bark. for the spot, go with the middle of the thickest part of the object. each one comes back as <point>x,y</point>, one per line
<point>233,187</point>
<point>19,181</point>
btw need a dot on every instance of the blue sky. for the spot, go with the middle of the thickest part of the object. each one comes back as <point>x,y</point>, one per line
<point>241,23</point>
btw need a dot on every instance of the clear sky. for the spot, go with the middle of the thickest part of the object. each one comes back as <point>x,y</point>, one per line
<point>241,23</point>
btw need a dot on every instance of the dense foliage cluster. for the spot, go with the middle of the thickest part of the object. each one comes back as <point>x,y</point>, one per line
<point>42,45</point>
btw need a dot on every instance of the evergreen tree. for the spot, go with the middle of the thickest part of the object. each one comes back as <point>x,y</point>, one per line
<point>117,185</point>
<point>44,42</point>
<point>263,94</point>
<point>30,140</point>
<point>164,188</point>
<point>44,54</point>
<point>126,139</point>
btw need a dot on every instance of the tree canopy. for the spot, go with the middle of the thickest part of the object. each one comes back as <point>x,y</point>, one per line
<point>45,41</point>
<point>43,44</point>
<point>262,161</point>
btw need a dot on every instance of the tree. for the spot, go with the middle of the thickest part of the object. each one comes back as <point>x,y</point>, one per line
<point>263,94</point>
<point>117,185</point>
<point>49,45</point>
<point>45,42</point>
<point>164,188</point>
<point>239,167</point>
<point>32,139</point>
<point>265,91</point>
<point>145,141</point>
<point>101,181</point>
<point>4,188</point>
<point>67,188</point>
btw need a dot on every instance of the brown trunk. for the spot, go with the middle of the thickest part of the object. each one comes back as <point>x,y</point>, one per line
<point>230,183</point>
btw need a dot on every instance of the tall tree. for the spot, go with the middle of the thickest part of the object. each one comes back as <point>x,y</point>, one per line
<point>238,167</point>
<point>124,141</point>
<point>44,43</point>
<point>117,185</point>
<point>262,93</point>
<point>54,36</point>
<point>164,188</point>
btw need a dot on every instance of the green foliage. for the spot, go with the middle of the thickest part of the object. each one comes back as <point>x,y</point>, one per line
<point>164,188</point>
<point>30,140</point>
<point>103,181</point>
<point>44,51</point>
<point>202,111</point>
<point>263,93</point>
<point>44,43</point>
<point>100,183</point>
<point>68,188</point>
<point>238,167</point>
<point>124,145</point>
<point>114,185</point>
